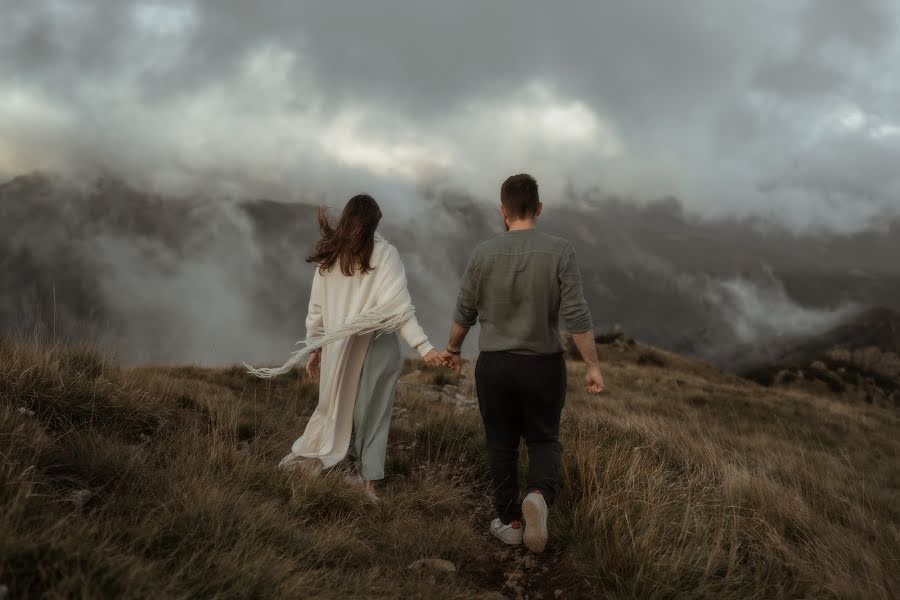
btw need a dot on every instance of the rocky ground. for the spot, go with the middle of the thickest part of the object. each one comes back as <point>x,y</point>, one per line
<point>858,361</point>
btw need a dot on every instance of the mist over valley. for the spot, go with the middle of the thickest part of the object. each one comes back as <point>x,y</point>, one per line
<point>215,281</point>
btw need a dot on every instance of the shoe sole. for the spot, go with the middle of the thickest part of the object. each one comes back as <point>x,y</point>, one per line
<point>535,513</point>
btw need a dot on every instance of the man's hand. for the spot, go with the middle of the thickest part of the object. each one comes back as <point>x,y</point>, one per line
<point>453,361</point>
<point>435,359</point>
<point>457,337</point>
<point>593,380</point>
<point>314,363</point>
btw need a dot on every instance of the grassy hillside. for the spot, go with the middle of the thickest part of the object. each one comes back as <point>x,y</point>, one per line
<point>681,481</point>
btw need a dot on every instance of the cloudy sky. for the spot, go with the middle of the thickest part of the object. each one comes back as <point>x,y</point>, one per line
<point>785,109</point>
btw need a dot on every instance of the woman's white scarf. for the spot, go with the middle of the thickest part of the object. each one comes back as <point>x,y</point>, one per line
<point>385,317</point>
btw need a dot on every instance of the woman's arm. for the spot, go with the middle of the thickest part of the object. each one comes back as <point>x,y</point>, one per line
<point>415,336</point>
<point>411,331</point>
<point>315,326</point>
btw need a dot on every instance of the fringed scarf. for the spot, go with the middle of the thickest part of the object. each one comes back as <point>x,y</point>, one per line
<point>389,315</point>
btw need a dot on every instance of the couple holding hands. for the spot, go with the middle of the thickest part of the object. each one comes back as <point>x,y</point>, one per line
<point>518,286</point>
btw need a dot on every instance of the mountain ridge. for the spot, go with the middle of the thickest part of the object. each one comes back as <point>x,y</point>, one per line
<point>859,358</point>
<point>107,259</point>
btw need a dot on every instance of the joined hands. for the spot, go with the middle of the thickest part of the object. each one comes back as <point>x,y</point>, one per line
<point>593,380</point>
<point>443,359</point>
<point>432,359</point>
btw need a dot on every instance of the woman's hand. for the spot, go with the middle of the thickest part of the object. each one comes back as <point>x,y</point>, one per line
<point>434,359</point>
<point>314,363</point>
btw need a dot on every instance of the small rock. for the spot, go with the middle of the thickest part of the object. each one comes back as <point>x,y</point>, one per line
<point>243,448</point>
<point>80,497</point>
<point>434,564</point>
<point>417,391</point>
<point>452,395</point>
<point>512,578</point>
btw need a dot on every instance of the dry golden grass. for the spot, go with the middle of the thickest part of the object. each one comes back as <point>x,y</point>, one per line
<point>712,487</point>
<point>681,481</point>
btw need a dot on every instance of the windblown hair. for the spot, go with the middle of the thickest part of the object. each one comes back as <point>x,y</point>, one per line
<point>352,241</point>
<point>519,195</point>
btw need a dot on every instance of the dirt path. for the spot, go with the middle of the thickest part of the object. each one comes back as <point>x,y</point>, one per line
<point>514,571</point>
<point>520,574</point>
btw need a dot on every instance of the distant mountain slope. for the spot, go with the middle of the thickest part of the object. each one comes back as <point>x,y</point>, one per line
<point>877,327</point>
<point>153,278</point>
<point>217,281</point>
<point>859,358</point>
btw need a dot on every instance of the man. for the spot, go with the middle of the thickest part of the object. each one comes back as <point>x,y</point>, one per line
<point>518,285</point>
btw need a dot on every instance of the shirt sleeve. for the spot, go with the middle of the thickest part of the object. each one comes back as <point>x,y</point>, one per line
<point>573,307</point>
<point>410,331</point>
<point>466,312</point>
<point>315,327</point>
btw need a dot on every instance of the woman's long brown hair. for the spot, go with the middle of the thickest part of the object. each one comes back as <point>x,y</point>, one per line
<point>352,241</point>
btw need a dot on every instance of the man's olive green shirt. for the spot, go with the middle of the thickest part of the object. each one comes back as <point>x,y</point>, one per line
<point>519,285</point>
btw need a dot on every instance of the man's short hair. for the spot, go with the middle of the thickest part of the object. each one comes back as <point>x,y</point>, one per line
<point>519,195</point>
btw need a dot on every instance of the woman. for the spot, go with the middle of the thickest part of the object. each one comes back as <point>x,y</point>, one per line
<point>358,305</point>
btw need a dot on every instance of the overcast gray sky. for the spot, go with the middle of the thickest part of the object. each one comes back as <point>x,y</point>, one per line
<point>785,109</point>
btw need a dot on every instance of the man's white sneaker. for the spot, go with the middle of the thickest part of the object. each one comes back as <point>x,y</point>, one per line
<point>534,509</point>
<point>508,534</point>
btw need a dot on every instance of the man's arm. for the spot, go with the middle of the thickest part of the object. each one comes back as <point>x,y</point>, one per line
<point>593,380</point>
<point>573,307</point>
<point>577,316</point>
<point>466,312</point>
<point>465,315</point>
<point>451,355</point>
<point>457,337</point>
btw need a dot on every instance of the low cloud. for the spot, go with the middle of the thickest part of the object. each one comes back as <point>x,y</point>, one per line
<point>160,279</point>
<point>779,110</point>
<point>761,312</point>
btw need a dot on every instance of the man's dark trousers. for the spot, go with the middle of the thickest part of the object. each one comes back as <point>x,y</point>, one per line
<point>520,396</point>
